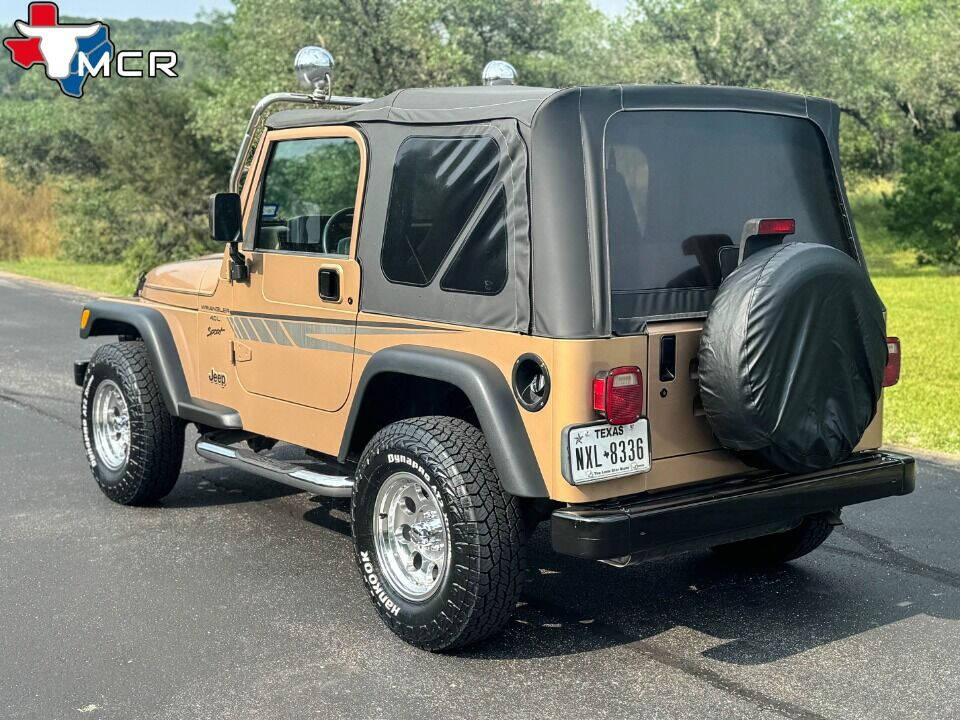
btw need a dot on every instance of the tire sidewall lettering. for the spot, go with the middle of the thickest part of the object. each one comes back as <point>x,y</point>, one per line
<point>376,468</point>
<point>375,587</point>
<point>97,372</point>
<point>86,398</point>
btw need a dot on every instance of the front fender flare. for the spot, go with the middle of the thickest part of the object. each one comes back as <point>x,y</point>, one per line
<point>116,318</point>
<point>489,394</point>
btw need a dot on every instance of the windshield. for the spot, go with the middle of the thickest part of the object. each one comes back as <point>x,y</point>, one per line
<point>681,184</point>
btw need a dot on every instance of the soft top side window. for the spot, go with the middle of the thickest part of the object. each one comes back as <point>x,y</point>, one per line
<point>437,185</point>
<point>480,266</point>
<point>308,196</point>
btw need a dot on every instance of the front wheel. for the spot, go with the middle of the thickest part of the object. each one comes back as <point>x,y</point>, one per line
<point>438,542</point>
<point>133,444</point>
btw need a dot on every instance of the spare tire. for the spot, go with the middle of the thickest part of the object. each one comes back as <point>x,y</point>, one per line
<point>792,356</point>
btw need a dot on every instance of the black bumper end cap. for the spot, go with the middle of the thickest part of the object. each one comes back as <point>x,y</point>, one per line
<point>80,371</point>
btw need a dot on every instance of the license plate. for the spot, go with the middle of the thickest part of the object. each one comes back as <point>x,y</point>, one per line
<point>601,451</point>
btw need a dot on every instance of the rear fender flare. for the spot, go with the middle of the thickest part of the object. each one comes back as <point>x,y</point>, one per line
<point>489,394</point>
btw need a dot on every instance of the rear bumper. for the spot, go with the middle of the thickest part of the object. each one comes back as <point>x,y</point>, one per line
<point>653,525</point>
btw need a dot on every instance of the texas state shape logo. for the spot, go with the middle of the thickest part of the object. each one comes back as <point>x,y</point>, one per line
<point>69,53</point>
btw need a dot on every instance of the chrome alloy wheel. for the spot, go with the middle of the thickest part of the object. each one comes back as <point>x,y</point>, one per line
<point>111,425</point>
<point>411,536</point>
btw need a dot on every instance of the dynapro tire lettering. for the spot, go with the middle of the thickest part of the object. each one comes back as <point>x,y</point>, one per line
<point>404,460</point>
<point>376,587</point>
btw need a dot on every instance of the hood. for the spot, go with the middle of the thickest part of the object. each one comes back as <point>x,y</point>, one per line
<point>182,283</point>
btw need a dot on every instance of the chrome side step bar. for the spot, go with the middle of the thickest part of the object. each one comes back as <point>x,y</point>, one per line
<point>277,470</point>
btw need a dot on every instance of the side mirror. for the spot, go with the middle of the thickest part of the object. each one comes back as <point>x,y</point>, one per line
<point>226,220</point>
<point>226,217</point>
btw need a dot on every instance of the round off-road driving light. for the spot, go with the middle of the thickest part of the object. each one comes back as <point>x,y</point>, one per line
<point>499,72</point>
<point>314,67</point>
<point>531,382</point>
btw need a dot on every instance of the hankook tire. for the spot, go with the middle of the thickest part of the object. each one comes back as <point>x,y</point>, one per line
<point>439,544</point>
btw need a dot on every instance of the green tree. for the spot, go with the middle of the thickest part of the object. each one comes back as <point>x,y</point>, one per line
<point>385,45</point>
<point>148,202</point>
<point>552,43</point>
<point>892,65</point>
<point>748,43</point>
<point>39,136</point>
<point>925,208</point>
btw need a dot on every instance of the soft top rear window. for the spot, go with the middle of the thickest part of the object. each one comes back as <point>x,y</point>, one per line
<point>681,184</point>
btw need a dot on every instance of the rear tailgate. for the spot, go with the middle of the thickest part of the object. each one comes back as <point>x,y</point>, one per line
<point>677,423</point>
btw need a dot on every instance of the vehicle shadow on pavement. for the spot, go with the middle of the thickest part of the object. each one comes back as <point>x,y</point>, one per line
<point>728,614</point>
<point>670,609</point>
<point>222,486</point>
<point>331,514</point>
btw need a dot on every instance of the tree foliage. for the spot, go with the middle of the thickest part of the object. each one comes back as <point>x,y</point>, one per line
<point>133,161</point>
<point>891,65</point>
<point>749,43</point>
<point>925,208</point>
<point>386,45</point>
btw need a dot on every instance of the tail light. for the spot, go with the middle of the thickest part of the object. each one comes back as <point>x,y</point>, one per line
<point>780,226</point>
<point>891,373</point>
<point>618,395</point>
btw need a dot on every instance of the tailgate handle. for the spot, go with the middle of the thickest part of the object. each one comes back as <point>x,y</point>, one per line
<point>668,358</point>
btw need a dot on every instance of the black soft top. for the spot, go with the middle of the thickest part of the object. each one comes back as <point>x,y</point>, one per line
<point>428,106</point>
<point>554,138</point>
<point>440,106</point>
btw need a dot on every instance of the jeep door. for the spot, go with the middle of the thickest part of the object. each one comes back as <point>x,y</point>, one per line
<point>295,319</point>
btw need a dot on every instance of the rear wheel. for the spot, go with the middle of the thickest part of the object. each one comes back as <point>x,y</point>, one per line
<point>779,547</point>
<point>133,444</point>
<point>438,542</point>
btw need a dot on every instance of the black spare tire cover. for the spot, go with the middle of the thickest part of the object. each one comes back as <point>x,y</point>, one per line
<point>792,356</point>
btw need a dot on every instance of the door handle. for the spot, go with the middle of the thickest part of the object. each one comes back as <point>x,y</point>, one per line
<point>668,358</point>
<point>329,284</point>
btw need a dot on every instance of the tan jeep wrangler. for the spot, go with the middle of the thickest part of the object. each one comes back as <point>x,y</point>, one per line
<point>640,313</point>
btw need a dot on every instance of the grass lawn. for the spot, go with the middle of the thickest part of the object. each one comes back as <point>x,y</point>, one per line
<point>103,279</point>
<point>923,310</point>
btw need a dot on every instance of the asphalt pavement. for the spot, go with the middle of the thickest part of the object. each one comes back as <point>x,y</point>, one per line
<point>238,598</point>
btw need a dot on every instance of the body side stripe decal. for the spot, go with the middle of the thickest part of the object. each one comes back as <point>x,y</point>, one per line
<point>345,321</point>
<point>248,328</point>
<point>276,329</point>
<point>260,328</point>
<point>235,325</point>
